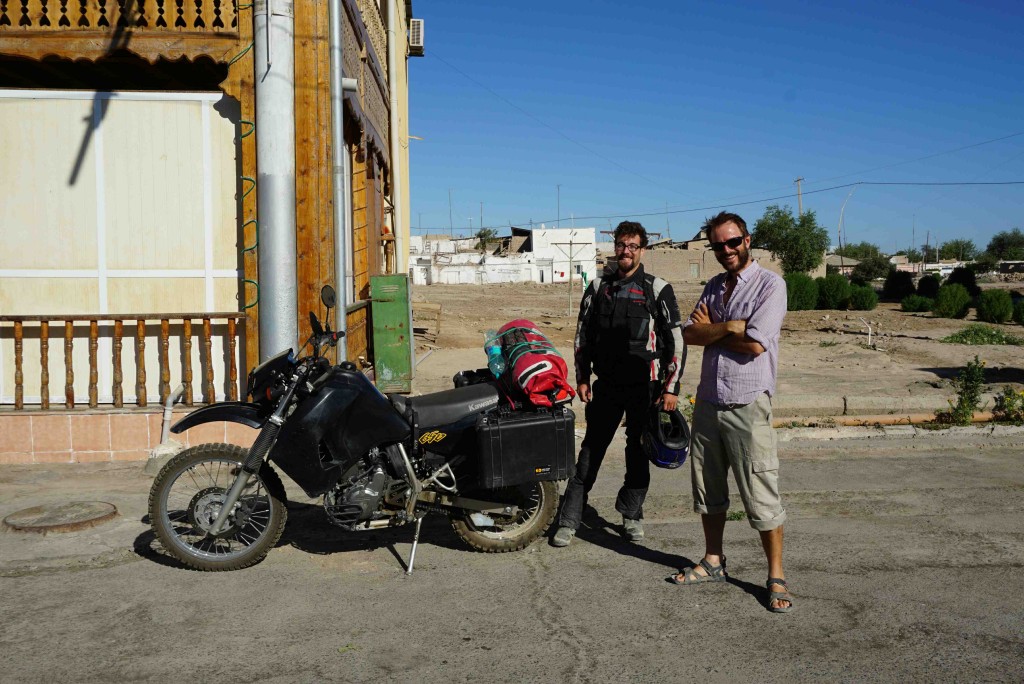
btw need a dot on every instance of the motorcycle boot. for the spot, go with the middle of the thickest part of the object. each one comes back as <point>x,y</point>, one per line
<point>633,530</point>
<point>563,536</point>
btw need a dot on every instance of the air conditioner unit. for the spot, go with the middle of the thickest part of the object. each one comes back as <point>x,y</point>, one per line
<point>416,37</point>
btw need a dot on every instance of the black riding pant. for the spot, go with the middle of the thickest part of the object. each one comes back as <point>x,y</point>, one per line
<point>604,413</point>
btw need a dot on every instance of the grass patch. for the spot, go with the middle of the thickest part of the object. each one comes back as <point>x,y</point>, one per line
<point>827,343</point>
<point>736,515</point>
<point>979,334</point>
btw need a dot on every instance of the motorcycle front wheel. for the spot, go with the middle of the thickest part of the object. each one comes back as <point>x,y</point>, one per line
<point>186,499</point>
<point>537,502</point>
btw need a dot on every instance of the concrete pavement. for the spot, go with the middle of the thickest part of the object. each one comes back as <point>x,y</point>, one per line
<point>904,552</point>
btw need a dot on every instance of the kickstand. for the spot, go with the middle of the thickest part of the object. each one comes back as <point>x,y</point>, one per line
<point>415,541</point>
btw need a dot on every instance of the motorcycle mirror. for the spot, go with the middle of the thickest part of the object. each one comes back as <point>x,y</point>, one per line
<point>314,324</point>
<point>328,296</point>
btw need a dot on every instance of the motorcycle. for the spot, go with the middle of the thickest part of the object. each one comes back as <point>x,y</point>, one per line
<point>488,462</point>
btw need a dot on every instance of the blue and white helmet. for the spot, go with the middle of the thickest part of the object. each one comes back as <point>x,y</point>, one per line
<point>666,441</point>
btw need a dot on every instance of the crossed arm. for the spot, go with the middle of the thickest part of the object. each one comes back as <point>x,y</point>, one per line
<point>731,335</point>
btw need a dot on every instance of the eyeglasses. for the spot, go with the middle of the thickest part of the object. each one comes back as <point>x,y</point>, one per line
<point>732,243</point>
<point>625,246</point>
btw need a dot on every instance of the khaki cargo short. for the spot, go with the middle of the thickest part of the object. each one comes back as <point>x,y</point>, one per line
<point>741,438</point>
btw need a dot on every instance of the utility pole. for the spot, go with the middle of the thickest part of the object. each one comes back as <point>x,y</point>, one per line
<point>451,227</point>
<point>558,221</point>
<point>913,235</point>
<point>570,255</point>
<point>799,197</point>
<point>481,216</point>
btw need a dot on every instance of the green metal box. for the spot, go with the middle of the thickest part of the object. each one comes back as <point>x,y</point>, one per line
<point>391,311</point>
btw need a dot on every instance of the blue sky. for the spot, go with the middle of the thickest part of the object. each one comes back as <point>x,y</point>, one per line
<point>696,106</point>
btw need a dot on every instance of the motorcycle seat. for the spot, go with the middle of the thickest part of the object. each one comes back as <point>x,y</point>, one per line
<point>448,406</point>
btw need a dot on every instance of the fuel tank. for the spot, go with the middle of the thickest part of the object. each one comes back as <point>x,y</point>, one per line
<point>349,416</point>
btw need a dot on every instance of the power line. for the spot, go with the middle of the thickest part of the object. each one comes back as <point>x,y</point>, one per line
<point>790,196</point>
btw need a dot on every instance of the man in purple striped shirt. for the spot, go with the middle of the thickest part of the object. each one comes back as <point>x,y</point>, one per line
<point>737,320</point>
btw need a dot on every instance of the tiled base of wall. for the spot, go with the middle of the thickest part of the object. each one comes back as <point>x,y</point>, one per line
<point>81,437</point>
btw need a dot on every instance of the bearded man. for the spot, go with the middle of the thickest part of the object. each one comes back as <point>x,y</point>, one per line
<point>737,320</point>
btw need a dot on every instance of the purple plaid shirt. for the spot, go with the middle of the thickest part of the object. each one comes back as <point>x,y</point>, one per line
<point>759,298</point>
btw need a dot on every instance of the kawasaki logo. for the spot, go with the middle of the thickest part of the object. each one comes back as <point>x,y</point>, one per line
<point>432,437</point>
<point>483,404</point>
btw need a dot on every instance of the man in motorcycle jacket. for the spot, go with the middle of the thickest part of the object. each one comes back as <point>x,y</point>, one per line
<point>629,334</point>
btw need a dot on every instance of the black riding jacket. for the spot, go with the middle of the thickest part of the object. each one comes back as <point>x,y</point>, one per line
<point>630,331</point>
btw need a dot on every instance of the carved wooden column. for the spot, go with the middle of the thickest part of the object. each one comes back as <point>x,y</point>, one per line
<point>186,373</point>
<point>118,373</point>
<point>44,365</point>
<point>19,377</point>
<point>69,371</point>
<point>140,363</point>
<point>93,370</point>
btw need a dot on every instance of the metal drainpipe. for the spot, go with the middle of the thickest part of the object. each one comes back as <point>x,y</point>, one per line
<point>341,171</point>
<point>274,26</point>
<point>401,265</point>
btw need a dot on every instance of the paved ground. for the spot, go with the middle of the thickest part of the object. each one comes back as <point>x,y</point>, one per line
<point>905,553</point>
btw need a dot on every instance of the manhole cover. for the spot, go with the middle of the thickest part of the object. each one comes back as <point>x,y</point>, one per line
<point>68,517</point>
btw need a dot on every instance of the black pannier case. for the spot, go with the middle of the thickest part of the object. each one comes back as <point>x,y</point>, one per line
<point>526,447</point>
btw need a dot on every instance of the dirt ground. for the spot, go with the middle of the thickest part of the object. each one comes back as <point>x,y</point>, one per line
<point>822,353</point>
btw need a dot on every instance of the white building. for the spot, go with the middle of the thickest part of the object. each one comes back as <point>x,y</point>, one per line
<point>541,255</point>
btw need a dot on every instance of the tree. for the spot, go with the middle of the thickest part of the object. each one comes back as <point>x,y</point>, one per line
<point>1007,245</point>
<point>930,252</point>
<point>798,243</point>
<point>858,251</point>
<point>961,250</point>
<point>484,235</point>
<point>870,269</point>
<point>913,256</point>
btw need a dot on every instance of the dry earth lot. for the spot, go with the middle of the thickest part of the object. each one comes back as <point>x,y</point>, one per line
<point>823,354</point>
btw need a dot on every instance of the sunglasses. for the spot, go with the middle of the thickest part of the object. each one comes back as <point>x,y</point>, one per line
<point>732,243</point>
<point>624,246</point>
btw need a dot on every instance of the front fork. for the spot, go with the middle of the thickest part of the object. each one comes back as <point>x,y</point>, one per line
<point>257,452</point>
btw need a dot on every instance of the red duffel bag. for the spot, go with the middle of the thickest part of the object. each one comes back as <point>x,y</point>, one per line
<point>534,368</point>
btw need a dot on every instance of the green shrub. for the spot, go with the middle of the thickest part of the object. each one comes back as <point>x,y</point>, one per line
<point>968,386</point>
<point>978,334</point>
<point>898,284</point>
<point>928,286</point>
<point>1010,406</point>
<point>833,292</point>
<point>801,291</point>
<point>1018,312</point>
<point>995,306</point>
<point>952,301</point>
<point>917,303</point>
<point>863,298</point>
<point>870,268</point>
<point>964,276</point>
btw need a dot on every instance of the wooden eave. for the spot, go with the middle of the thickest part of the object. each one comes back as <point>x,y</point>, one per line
<point>93,45</point>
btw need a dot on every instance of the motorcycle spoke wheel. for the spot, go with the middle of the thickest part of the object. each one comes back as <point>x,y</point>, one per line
<point>187,497</point>
<point>537,503</point>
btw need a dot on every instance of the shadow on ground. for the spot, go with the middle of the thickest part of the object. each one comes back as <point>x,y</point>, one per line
<point>597,530</point>
<point>992,375</point>
<point>308,530</point>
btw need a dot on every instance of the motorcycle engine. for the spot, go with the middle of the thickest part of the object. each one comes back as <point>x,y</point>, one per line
<point>358,500</point>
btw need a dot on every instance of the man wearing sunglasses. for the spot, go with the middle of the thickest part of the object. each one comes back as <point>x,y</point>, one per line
<point>737,320</point>
<point>629,334</point>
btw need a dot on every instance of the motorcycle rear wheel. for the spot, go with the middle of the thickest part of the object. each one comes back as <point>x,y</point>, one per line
<point>185,500</point>
<point>537,502</point>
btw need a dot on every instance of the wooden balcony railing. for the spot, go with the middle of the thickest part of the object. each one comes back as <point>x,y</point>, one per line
<point>135,15</point>
<point>131,329</point>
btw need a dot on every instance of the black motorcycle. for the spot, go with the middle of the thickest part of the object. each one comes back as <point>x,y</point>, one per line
<point>472,452</point>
